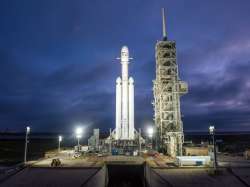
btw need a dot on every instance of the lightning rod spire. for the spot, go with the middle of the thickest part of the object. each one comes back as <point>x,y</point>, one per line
<point>164,24</point>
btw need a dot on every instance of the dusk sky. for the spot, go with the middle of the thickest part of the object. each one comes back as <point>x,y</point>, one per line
<point>58,61</point>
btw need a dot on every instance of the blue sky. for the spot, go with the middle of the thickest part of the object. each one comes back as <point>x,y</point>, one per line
<point>58,61</point>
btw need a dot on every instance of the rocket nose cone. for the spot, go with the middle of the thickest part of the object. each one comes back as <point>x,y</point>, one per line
<point>118,80</point>
<point>124,54</point>
<point>124,49</point>
<point>131,80</point>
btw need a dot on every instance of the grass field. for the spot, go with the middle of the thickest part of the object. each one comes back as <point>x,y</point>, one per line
<point>12,151</point>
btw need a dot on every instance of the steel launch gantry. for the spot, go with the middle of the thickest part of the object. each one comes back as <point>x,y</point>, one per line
<point>168,88</point>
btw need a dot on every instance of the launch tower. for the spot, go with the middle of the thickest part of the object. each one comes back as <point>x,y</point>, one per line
<point>168,88</point>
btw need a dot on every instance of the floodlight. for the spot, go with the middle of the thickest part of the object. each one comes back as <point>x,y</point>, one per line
<point>59,138</point>
<point>28,129</point>
<point>150,132</point>
<point>211,129</point>
<point>78,132</point>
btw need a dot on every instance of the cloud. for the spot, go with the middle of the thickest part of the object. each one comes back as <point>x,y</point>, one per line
<point>57,67</point>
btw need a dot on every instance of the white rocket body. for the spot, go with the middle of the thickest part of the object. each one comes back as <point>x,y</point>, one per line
<point>124,101</point>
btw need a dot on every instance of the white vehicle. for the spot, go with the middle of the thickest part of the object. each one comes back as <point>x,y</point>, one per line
<point>77,155</point>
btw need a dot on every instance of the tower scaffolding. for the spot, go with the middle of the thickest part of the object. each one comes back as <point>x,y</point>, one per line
<point>168,88</point>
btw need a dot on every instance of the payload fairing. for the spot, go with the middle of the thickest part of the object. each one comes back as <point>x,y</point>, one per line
<point>124,101</point>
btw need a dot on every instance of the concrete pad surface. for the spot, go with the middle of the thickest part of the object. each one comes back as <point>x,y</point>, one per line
<point>56,177</point>
<point>192,177</point>
<point>243,173</point>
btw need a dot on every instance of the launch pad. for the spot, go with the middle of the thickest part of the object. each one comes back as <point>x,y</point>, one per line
<point>124,146</point>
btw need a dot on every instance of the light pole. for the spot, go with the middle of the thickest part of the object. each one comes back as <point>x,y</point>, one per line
<point>26,144</point>
<point>59,143</point>
<point>212,133</point>
<point>78,132</point>
<point>110,141</point>
<point>139,141</point>
<point>150,132</point>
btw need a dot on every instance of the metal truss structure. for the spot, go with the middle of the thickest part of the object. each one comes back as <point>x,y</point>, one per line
<point>167,91</point>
